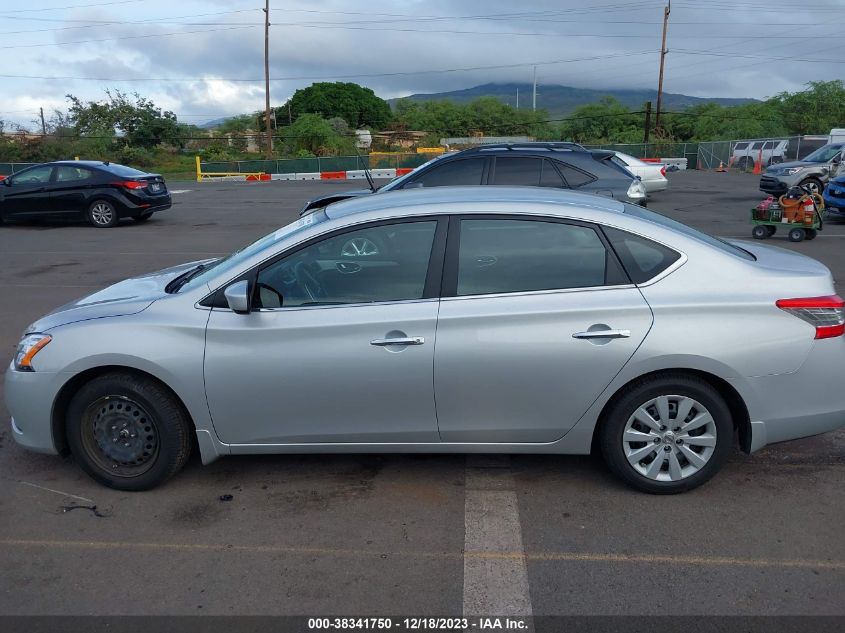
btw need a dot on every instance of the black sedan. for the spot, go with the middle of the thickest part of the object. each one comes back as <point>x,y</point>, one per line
<point>102,193</point>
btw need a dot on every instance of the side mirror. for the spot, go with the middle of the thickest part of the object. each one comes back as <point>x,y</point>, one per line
<point>237,296</point>
<point>836,159</point>
<point>5,181</point>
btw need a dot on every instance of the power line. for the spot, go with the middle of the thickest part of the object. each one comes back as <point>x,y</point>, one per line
<point>132,37</point>
<point>330,77</point>
<point>76,6</point>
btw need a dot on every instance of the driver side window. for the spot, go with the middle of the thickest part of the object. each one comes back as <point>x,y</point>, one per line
<point>379,263</point>
<point>34,176</point>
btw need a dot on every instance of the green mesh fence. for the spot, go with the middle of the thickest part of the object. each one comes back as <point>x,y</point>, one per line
<point>7,169</point>
<point>312,165</point>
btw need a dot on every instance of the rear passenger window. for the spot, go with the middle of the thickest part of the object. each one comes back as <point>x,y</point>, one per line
<point>517,171</point>
<point>454,172</point>
<point>574,177</point>
<point>498,256</point>
<point>642,258</point>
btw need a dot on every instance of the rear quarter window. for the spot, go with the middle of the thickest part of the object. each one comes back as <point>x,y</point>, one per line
<point>642,258</point>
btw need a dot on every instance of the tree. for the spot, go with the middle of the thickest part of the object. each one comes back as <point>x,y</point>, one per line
<point>313,134</point>
<point>358,106</point>
<point>815,110</point>
<point>136,118</point>
<point>608,121</point>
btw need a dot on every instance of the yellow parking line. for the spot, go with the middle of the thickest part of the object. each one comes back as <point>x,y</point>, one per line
<point>361,553</point>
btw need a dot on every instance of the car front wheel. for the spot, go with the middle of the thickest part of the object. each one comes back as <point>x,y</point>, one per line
<point>102,214</point>
<point>128,431</point>
<point>667,434</point>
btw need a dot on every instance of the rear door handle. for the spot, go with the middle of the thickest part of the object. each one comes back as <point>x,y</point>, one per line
<point>603,334</point>
<point>411,340</point>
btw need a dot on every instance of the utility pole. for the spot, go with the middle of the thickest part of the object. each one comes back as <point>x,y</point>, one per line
<point>269,150</point>
<point>534,93</point>
<point>647,121</point>
<point>43,125</point>
<point>666,11</point>
<point>517,98</point>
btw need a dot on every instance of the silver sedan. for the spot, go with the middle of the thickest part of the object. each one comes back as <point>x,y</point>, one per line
<point>463,320</point>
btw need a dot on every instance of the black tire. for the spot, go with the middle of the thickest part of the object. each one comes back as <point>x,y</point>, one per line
<point>776,160</point>
<point>142,218</point>
<point>121,406</point>
<point>771,229</point>
<point>641,392</point>
<point>760,232</point>
<point>810,234</point>
<point>797,235</point>
<point>814,184</point>
<point>102,214</point>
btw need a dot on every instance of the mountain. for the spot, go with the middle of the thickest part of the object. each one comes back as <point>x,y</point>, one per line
<point>562,100</point>
<point>209,125</point>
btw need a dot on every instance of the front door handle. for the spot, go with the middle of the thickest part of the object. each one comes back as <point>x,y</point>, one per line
<point>410,340</point>
<point>603,334</point>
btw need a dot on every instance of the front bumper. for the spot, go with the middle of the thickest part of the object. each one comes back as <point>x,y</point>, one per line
<point>835,202</point>
<point>773,185</point>
<point>29,398</point>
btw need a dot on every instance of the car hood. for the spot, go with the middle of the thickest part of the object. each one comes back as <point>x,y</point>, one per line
<point>125,297</point>
<point>323,201</point>
<point>794,163</point>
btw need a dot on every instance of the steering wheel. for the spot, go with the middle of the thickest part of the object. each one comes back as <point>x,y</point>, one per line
<point>308,281</point>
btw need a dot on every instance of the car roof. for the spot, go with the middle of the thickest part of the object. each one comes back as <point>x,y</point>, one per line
<point>443,196</point>
<point>84,163</point>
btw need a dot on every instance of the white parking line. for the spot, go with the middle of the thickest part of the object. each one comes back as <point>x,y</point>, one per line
<point>180,190</point>
<point>493,584</point>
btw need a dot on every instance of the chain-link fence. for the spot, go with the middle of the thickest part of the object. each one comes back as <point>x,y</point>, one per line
<point>736,154</point>
<point>7,169</point>
<point>315,165</point>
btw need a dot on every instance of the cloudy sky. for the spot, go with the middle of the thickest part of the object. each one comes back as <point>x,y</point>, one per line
<point>204,58</point>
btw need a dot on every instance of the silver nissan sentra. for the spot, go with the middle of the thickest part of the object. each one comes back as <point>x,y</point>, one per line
<point>476,319</point>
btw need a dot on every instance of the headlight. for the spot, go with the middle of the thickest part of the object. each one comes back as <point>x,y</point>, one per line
<point>637,190</point>
<point>790,170</point>
<point>29,346</point>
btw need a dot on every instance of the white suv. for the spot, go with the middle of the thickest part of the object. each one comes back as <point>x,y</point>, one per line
<point>745,153</point>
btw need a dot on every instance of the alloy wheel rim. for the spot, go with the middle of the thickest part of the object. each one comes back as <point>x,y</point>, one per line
<point>120,436</point>
<point>669,438</point>
<point>359,247</point>
<point>102,213</point>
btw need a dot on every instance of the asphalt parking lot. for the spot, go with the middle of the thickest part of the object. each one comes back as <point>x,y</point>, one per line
<point>391,534</point>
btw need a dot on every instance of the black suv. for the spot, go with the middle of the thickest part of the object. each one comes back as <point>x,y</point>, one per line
<point>560,165</point>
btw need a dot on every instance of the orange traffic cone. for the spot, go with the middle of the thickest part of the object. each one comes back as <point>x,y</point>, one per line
<point>758,165</point>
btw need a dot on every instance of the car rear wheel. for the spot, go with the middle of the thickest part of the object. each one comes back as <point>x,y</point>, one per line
<point>102,214</point>
<point>667,434</point>
<point>128,432</point>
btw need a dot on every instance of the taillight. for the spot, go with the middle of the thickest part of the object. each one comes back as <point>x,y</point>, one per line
<point>663,170</point>
<point>826,314</point>
<point>131,184</point>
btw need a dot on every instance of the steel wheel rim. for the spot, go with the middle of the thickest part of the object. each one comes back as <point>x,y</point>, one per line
<point>102,213</point>
<point>669,438</point>
<point>359,247</point>
<point>120,436</point>
<point>812,186</point>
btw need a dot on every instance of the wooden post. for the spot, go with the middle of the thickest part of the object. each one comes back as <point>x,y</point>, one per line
<point>269,150</point>
<point>647,121</point>
<point>666,10</point>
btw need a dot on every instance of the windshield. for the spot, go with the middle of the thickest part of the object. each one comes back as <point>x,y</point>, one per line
<point>226,264</point>
<point>824,154</point>
<point>669,223</point>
